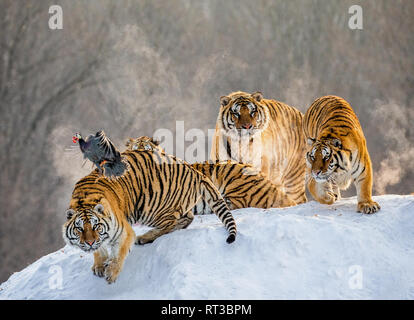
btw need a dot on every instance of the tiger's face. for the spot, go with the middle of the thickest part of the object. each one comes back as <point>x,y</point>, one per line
<point>322,159</point>
<point>86,228</point>
<point>243,113</point>
<point>143,143</point>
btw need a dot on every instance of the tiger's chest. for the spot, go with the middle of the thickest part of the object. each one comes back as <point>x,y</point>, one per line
<point>258,149</point>
<point>244,148</point>
<point>342,177</point>
<point>342,180</point>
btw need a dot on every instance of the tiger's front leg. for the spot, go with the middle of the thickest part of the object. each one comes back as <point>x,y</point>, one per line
<point>363,186</point>
<point>322,191</point>
<point>336,191</point>
<point>114,264</point>
<point>100,257</point>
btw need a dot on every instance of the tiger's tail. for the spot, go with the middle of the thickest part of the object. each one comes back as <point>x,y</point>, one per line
<point>217,204</point>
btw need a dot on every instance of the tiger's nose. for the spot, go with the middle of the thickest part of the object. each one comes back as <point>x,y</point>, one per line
<point>246,126</point>
<point>318,172</point>
<point>91,242</point>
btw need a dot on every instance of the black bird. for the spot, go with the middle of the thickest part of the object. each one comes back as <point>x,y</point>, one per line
<point>102,152</point>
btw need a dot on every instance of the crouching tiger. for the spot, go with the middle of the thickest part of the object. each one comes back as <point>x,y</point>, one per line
<point>337,153</point>
<point>156,190</point>
<point>241,185</point>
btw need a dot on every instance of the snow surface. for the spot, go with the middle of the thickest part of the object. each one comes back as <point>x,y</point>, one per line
<point>311,251</point>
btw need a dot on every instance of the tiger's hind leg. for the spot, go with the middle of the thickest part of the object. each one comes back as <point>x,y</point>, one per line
<point>155,233</point>
<point>185,221</point>
<point>169,226</point>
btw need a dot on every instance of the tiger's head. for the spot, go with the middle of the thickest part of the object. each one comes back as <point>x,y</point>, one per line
<point>243,113</point>
<point>143,143</point>
<point>323,158</point>
<point>87,227</point>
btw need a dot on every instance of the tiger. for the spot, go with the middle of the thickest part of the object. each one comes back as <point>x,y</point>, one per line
<point>143,143</point>
<point>265,133</point>
<point>337,154</point>
<point>157,190</point>
<point>241,185</point>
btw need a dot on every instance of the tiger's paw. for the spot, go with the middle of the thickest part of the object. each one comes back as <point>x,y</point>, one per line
<point>112,270</point>
<point>98,270</point>
<point>368,207</point>
<point>337,193</point>
<point>329,198</point>
<point>325,193</point>
<point>141,240</point>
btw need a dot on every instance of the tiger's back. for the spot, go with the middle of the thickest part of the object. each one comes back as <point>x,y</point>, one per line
<point>331,114</point>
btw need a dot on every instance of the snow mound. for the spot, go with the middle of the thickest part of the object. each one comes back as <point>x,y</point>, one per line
<point>310,251</point>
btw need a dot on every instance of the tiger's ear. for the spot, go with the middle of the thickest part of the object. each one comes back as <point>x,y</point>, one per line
<point>224,100</point>
<point>310,141</point>
<point>336,143</point>
<point>258,96</point>
<point>99,208</point>
<point>129,142</point>
<point>155,141</point>
<point>69,213</point>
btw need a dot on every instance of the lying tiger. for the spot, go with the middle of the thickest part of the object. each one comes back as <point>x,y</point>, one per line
<point>337,153</point>
<point>156,190</point>
<point>241,185</point>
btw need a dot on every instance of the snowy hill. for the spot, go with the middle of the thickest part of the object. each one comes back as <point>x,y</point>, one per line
<point>311,251</point>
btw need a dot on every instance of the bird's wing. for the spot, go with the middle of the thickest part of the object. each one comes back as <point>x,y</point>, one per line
<point>107,149</point>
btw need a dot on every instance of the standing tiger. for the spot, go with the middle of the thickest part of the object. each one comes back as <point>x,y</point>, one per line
<point>241,185</point>
<point>337,154</point>
<point>156,190</point>
<point>265,133</point>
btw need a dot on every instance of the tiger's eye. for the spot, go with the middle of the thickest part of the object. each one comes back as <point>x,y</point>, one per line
<point>99,228</point>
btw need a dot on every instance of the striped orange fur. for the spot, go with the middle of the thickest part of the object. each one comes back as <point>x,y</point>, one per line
<point>241,185</point>
<point>265,133</point>
<point>337,154</point>
<point>157,190</point>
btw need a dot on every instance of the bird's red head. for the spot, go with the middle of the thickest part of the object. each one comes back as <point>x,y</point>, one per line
<point>76,137</point>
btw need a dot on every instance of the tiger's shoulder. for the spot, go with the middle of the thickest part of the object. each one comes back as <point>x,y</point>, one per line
<point>329,104</point>
<point>278,109</point>
<point>332,117</point>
